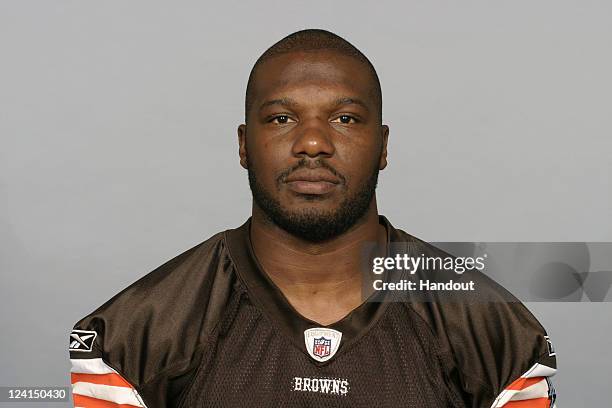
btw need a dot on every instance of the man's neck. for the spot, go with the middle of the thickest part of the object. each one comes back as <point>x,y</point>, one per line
<point>322,281</point>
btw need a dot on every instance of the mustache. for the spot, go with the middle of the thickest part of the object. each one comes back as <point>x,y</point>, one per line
<point>311,165</point>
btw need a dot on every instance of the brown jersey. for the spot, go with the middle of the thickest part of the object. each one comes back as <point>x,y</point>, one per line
<point>210,329</point>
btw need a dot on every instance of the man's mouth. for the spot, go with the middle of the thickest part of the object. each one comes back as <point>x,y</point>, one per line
<point>315,182</point>
<point>311,187</point>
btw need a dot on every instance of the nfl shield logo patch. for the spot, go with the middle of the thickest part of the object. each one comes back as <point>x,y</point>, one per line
<point>322,343</point>
<point>321,347</point>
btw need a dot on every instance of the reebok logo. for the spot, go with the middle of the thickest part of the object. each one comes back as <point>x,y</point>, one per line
<point>82,340</point>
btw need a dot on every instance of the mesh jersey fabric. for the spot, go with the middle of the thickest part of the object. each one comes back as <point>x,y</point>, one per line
<point>208,329</point>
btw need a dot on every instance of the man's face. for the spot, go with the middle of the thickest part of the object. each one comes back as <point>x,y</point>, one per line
<point>313,145</point>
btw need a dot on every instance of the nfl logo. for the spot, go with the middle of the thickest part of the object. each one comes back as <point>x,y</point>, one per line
<point>322,342</point>
<point>321,347</point>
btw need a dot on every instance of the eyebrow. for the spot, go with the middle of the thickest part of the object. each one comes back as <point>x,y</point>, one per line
<point>288,102</point>
<point>282,102</point>
<point>350,101</point>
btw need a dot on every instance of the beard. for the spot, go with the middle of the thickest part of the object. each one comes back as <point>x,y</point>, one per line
<point>311,224</point>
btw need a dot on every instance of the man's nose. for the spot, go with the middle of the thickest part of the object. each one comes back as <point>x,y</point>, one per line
<point>313,140</point>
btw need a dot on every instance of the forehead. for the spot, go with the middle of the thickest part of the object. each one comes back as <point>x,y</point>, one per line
<point>324,69</point>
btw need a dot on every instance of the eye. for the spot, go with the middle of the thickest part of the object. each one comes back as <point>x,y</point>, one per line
<point>346,119</point>
<point>281,119</point>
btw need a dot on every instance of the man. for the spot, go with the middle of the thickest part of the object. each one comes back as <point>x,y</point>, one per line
<point>273,313</point>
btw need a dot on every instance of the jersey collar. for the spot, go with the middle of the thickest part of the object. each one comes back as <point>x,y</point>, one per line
<point>269,298</point>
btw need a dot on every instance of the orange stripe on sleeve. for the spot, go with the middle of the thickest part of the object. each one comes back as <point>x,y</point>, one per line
<point>523,383</point>
<point>530,403</point>
<point>105,379</point>
<point>88,402</point>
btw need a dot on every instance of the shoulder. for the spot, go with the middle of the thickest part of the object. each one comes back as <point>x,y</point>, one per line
<point>488,335</point>
<point>158,323</point>
<point>160,298</point>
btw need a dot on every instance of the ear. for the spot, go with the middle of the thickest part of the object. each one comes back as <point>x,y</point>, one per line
<point>383,155</point>
<point>242,152</point>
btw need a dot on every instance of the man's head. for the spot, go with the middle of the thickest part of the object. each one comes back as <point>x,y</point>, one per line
<point>313,142</point>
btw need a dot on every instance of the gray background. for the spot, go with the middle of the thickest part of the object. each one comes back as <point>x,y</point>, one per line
<point>119,149</point>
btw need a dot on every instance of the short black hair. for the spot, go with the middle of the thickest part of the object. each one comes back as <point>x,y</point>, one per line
<point>312,40</point>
